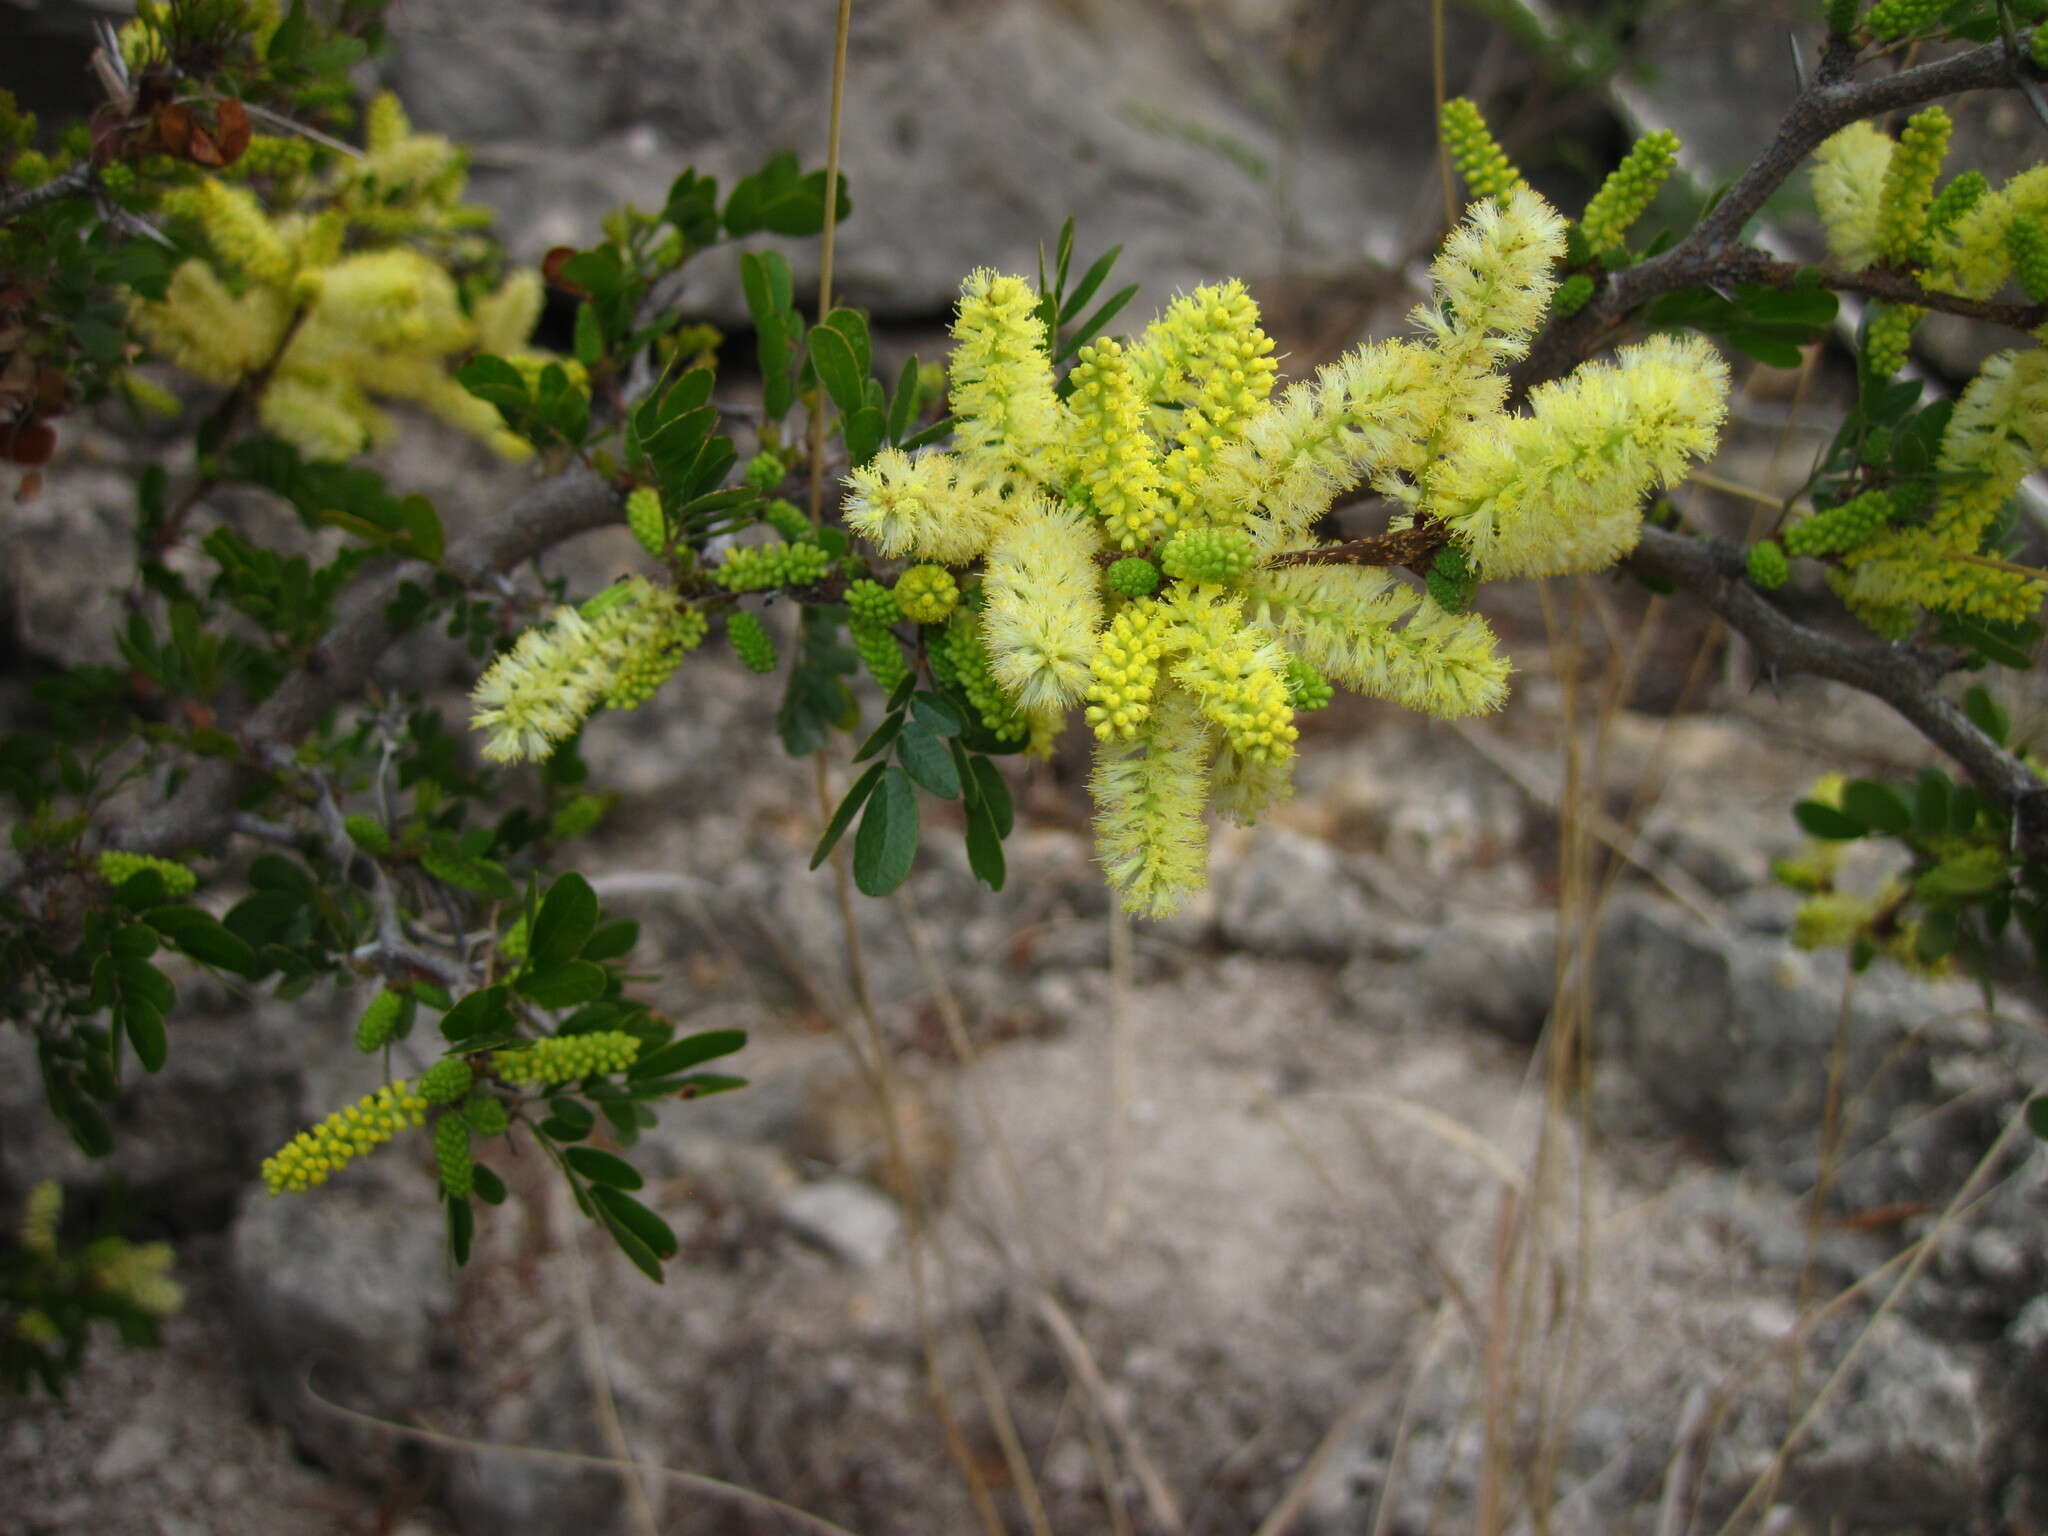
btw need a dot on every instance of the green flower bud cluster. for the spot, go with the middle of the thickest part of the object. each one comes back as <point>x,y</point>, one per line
<point>29,170</point>
<point>445,1081</point>
<point>1887,337</point>
<point>880,651</point>
<point>1451,579</point>
<point>315,1154</point>
<point>1209,555</point>
<point>872,603</point>
<point>758,567</point>
<point>927,594</point>
<point>655,658</point>
<point>1306,687</point>
<point>1956,199</point>
<point>379,1022</point>
<point>765,471</point>
<point>1902,203</point>
<point>368,834</point>
<point>1470,144</point>
<point>1628,189</point>
<point>1133,576</point>
<point>751,641</point>
<point>959,656</point>
<point>117,868</point>
<point>1839,529</point>
<point>1897,18</point>
<point>40,1217</point>
<point>643,516</point>
<point>564,1058</point>
<point>2028,242</point>
<point>452,1156</point>
<point>1768,567</point>
<point>1573,295</point>
<point>486,1116</point>
<point>788,520</point>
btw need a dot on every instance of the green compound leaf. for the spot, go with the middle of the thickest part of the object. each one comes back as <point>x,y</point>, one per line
<point>691,1050</point>
<point>144,1026</point>
<point>566,921</point>
<point>838,368</point>
<point>993,792</point>
<point>903,407</point>
<point>2037,1115</point>
<point>203,938</point>
<point>1827,823</point>
<point>886,845</point>
<point>565,985</point>
<point>613,941</point>
<point>884,734</point>
<point>487,1186</point>
<point>1930,801</point>
<point>1878,806</point>
<point>483,1012</point>
<point>985,844</point>
<point>865,430</point>
<point>842,818</point>
<point>478,875</point>
<point>603,1168</point>
<point>1986,715</point>
<point>925,758</point>
<point>495,381</point>
<point>937,715</point>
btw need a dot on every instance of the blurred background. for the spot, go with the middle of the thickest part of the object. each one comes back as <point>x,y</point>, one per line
<point>1281,1216</point>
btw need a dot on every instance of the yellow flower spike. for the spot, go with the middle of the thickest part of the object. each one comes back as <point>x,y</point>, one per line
<point>1007,418</point>
<point>1493,281</point>
<point>1148,796</point>
<point>565,1058</point>
<point>1480,161</point>
<point>212,334</point>
<point>1114,465</point>
<point>242,234</point>
<point>1848,185</point>
<point>1206,367</point>
<point>1974,256</point>
<point>1909,183</point>
<point>1233,672</point>
<point>1044,605</point>
<point>310,1157</point>
<point>1244,788</point>
<point>324,421</point>
<point>1124,673</point>
<point>506,318</point>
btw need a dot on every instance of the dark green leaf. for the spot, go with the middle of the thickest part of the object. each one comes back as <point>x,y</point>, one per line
<point>833,356</point>
<point>856,797</point>
<point>903,409</point>
<point>925,758</point>
<point>1930,801</point>
<point>864,431</point>
<point>494,380</point>
<point>1824,821</point>
<point>565,985</point>
<point>984,844</point>
<point>1878,806</point>
<point>566,921</point>
<point>1090,281</point>
<point>639,1220</point>
<point>936,715</point>
<point>145,1030</point>
<point>993,792</point>
<point>853,325</point>
<point>613,941</point>
<point>423,527</point>
<point>691,1050</point>
<point>479,875</point>
<point>603,1168</point>
<point>203,938</point>
<point>589,336</point>
<point>2037,1115</point>
<point>461,1228</point>
<point>483,1011</point>
<point>629,1242</point>
<point>886,845</point>
<point>928,436</point>
<point>1937,936</point>
<point>487,1186</point>
<point>884,734</point>
<point>1764,347</point>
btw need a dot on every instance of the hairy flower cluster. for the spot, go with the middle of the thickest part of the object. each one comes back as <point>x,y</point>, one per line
<point>310,1157</point>
<point>758,567</point>
<point>344,299</point>
<point>926,594</point>
<point>1627,192</point>
<point>614,652</point>
<point>117,867</point>
<point>564,1058</point>
<point>1134,541</point>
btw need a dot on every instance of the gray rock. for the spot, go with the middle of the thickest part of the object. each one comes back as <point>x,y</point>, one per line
<point>1237,141</point>
<point>849,1219</point>
<point>1291,896</point>
<point>343,1292</point>
<point>1901,1444</point>
<point>134,1450</point>
<point>490,1493</point>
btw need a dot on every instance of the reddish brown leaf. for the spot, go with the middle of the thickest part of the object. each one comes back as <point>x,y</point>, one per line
<point>551,268</point>
<point>202,149</point>
<point>174,127</point>
<point>231,129</point>
<point>53,391</point>
<point>32,442</point>
<point>31,486</point>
